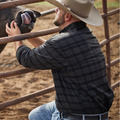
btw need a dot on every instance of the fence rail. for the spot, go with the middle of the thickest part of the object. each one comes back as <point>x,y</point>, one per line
<point>4,40</point>
<point>48,12</point>
<point>106,42</point>
<point>110,13</point>
<point>16,3</point>
<point>27,97</point>
<point>15,72</point>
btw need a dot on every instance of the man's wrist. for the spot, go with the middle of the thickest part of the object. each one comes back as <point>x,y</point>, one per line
<point>18,44</point>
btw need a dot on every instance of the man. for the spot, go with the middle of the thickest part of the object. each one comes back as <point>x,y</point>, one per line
<point>76,61</point>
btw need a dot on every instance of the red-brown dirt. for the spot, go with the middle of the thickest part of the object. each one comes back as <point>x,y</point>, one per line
<point>20,85</point>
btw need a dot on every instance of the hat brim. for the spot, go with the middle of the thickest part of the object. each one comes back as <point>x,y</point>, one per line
<point>94,17</point>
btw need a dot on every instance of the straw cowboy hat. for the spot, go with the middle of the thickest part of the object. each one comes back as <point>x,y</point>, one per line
<point>81,9</point>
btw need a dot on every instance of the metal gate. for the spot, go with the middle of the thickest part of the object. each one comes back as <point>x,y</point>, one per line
<point>105,42</point>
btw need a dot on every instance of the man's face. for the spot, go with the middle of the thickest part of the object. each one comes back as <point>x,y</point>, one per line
<point>59,18</point>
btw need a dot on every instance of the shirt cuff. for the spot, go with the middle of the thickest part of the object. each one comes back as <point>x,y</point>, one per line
<point>19,51</point>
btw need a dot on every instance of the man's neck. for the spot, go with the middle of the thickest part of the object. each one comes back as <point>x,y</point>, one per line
<point>65,24</point>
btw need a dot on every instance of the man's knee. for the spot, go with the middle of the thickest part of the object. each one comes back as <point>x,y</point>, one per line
<point>32,116</point>
<point>43,112</point>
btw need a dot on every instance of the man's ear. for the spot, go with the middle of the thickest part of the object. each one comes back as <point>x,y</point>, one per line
<point>67,17</point>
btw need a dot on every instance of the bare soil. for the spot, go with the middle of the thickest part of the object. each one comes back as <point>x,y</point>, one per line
<point>20,85</point>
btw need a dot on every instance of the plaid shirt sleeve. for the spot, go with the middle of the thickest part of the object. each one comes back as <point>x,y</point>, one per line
<point>46,56</point>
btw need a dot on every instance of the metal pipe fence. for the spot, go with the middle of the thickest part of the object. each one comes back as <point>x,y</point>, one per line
<point>16,3</point>
<point>106,42</point>
<point>26,97</point>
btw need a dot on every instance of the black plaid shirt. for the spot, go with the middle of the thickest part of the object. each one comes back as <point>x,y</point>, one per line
<point>78,68</point>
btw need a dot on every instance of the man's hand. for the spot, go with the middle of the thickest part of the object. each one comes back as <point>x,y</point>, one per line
<point>13,29</point>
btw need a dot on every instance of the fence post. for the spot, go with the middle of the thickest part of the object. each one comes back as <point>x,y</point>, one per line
<point>106,28</point>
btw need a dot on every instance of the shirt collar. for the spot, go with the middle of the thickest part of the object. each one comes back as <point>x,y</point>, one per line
<point>74,26</point>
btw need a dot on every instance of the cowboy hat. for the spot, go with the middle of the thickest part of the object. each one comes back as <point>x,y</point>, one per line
<point>81,9</point>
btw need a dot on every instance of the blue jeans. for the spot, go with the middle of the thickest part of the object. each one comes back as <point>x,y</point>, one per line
<point>46,112</point>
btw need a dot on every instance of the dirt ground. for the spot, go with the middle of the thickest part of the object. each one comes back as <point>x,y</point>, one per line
<point>20,85</point>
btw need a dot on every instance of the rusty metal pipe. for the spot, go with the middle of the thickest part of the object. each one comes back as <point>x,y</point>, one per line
<point>104,42</point>
<point>47,12</point>
<point>16,72</point>
<point>111,13</point>
<point>16,3</point>
<point>113,62</point>
<point>117,84</point>
<point>27,97</point>
<point>4,40</point>
<point>106,28</point>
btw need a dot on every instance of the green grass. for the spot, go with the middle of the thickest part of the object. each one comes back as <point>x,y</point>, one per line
<point>98,4</point>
